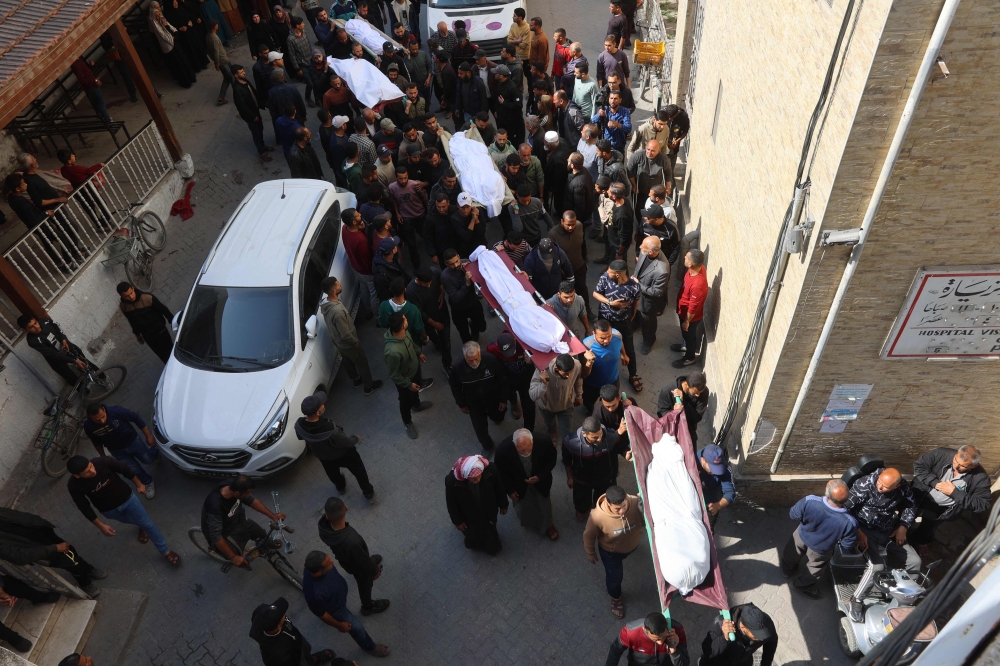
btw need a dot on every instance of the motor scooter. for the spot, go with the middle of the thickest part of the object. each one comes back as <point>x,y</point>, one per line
<point>890,599</point>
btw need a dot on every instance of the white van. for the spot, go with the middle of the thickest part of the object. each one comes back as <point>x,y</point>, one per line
<point>487,21</point>
<point>250,344</point>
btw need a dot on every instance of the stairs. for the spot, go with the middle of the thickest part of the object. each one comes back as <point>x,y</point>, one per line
<point>55,630</point>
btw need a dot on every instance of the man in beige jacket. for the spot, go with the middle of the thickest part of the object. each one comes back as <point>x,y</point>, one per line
<point>557,391</point>
<point>617,525</point>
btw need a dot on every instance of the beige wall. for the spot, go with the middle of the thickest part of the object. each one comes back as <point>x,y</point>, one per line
<point>771,57</point>
<point>940,209</point>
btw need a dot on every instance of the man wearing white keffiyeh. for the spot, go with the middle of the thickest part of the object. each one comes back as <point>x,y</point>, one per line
<point>475,495</point>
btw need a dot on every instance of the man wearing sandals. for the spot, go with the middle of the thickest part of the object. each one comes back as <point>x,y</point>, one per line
<point>97,484</point>
<point>618,526</point>
<point>111,427</point>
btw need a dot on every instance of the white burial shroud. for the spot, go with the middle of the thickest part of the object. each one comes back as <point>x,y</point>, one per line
<point>367,35</point>
<point>535,326</point>
<point>682,541</point>
<point>478,173</point>
<point>368,84</point>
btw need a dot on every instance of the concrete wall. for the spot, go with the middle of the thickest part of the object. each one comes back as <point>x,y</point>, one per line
<point>771,59</point>
<point>83,311</point>
<point>940,209</point>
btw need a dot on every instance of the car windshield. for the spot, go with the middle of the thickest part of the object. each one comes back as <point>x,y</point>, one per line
<point>237,329</point>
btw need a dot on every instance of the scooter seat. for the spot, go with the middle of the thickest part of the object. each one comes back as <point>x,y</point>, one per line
<point>897,615</point>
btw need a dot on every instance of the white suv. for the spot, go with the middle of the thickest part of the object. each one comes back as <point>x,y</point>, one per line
<point>249,343</point>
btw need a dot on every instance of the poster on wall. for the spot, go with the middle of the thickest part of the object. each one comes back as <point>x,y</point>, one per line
<point>950,313</point>
<point>843,406</point>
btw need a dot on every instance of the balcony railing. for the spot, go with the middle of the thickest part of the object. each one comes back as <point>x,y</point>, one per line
<point>50,256</point>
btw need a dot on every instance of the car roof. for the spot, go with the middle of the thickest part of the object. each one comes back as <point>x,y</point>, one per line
<point>255,248</point>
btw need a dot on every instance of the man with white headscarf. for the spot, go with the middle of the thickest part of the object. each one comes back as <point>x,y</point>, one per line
<point>475,495</point>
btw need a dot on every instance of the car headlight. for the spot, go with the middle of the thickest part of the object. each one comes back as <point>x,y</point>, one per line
<point>274,429</point>
<point>158,431</point>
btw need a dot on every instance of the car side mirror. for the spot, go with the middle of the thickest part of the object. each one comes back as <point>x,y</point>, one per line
<point>175,323</point>
<point>311,327</point>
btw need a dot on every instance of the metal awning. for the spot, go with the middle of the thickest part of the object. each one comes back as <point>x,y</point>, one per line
<point>39,39</point>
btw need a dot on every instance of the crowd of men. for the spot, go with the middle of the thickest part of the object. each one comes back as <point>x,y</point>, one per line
<point>578,168</point>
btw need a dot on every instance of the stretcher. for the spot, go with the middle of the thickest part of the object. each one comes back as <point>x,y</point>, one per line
<point>540,358</point>
<point>644,430</point>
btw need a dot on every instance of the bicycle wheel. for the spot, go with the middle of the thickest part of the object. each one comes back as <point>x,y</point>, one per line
<point>201,543</point>
<point>60,449</point>
<point>286,570</point>
<point>105,382</point>
<point>139,271</point>
<point>151,230</point>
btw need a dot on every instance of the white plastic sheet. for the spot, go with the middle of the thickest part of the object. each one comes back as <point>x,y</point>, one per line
<point>682,542</point>
<point>478,174</point>
<point>363,32</point>
<point>367,83</point>
<point>533,325</point>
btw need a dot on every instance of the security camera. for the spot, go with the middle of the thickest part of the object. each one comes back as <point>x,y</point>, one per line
<point>847,237</point>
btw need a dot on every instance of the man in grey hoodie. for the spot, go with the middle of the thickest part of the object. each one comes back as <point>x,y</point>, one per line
<point>331,445</point>
<point>557,391</point>
<point>341,329</point>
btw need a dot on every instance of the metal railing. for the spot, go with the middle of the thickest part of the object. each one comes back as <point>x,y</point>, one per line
<point>650,21</point>
<point>51,254</point>
<point>44,578</point>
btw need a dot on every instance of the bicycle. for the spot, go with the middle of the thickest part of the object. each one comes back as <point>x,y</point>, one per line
<point>268,548</point>
<point>58,437</point>
<point>96,383</point>
<point>147,227</point>
<point>134,245</point>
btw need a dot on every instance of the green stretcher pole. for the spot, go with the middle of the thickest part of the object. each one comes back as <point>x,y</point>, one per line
<point>725,616</point>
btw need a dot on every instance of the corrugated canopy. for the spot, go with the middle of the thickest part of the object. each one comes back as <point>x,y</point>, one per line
<point>39,39</point>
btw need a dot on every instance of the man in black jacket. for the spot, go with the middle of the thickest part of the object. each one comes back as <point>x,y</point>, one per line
<point>29,539</point>
<point>387,266</point>
<point>466,310</point>
<point>479,385</point>
<point>529,492</point>
<point>508,106</point>
<point>47,339</point>
<point>946,482</point>
<point>248,105</point>
<point>427,293</point>
<point>148,317</point>
<point>351,551</point>
<point>580,194</point>
<point>331,445</point>
<point>557,151</point>
<point>691,395</point>
<point>302,159</point>
<point>754,629</point>
<point>569,117</point>
<point>655,223</point>
<point>281,643</point>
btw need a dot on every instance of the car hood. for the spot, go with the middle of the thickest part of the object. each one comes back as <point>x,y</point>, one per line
<point>217,409</point>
